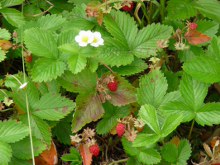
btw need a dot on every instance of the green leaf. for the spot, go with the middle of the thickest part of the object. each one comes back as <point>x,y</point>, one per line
<point>209,114</point>
<point>180,108</point>
<point>169,152</point>
<point>214,49</point>
<point>149,156</point>
<point>172,96</point>
<point>19,162</point>
<point>5,34</point>
<point>148,115</point>
<point>170,124</point>
<point>205,69</point>
<point>40,129</point>
<point>53,107</point>
<point>145,140</point>
<point>145,43</point>
<point>177,154</point>
<point>25,152</point>
<point>67,37</point>
<point>41,43</point>
<point>88,108</point>
<point>110,118</point>
<point>51,22</point>
<point>82,82</point>
<point>152,89</point>
<point>143,155</point>
<point>125,93</point>
<point>128,148</point>
<point>135,67</point>
<point>46,69</point>
<point>2,55</point>
<point>5,153</point>
<point>114,53</point>
<point>208,27</point>
<point>13,16</point>
<point>73,157</point>
<point>132,161</point>
<point>62,130</point>
<point>210,9</point>
<point>175,7</point>
<point>9,3</point>
<point>193,92</point>
<point>12,131</point>
<point>122,27</point>
<point>77,63</point>
<point>184,151</point>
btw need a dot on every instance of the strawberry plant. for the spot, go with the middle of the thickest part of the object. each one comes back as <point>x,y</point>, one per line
<point>109,82</point>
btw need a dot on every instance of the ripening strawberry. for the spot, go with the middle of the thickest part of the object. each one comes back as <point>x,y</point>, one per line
<point>28,58</point>
<point>128,8</point>
<point>113,86</point>
<point>94,150</point>
<point>120,129</point>
<point>193,26</point>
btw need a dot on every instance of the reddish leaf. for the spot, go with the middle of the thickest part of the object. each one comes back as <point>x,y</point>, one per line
<point>48,157</point>
<point>85,154</point>
<point>88,108</point>
<point>125,93</point>
<point>194,37</point>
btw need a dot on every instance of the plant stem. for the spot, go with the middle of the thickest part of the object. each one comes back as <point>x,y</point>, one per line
<point>190,132</point>
<point>108,67</point>
<point>162,9</point>
<point>26,99</point>
<point>118,161</point>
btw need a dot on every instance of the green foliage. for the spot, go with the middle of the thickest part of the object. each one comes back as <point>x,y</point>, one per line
<point>41,43</point>
<point>62,130</point>
<point>143,155</point>
<point>5,34</point>
<point>152,89</point>
<point>9,3</point>
<point>206,65</point>
<point>174,7</point>
<point>13,16</point>
<point>67,84</point>
<point>53,104</point>
<point>12,131</point>
<point>160,127</point>
<point>5,153</point>
<point>135,67</point>
<point>110,118</point>
<point>209,9</point>
<point>176,154</point>
<point>73,157</point>
<point>25,153</point>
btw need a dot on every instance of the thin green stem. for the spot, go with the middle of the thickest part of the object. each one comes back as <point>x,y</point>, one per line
<point>118,161</point>
<point>26,99</point>
<point>162,9</point>
<point>191,128</point>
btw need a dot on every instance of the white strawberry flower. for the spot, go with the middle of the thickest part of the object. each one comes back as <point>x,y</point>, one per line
<point>84,38</point>
<point>97,40</point>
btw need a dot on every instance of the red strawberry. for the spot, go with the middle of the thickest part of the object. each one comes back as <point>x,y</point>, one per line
<point>94,150</point>
<point>193,26</point>
<point>28,58</point>
<point>120,129</point>
<point>127,8</point>
<point>113,86</point>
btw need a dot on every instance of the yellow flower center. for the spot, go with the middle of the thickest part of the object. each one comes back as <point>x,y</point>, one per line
<point>85,39</point>
<point>95,40</point>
